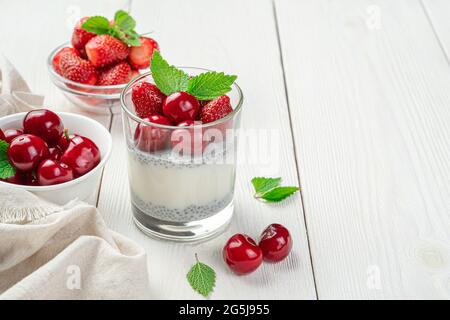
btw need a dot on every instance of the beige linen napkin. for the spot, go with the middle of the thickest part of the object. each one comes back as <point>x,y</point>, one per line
<point>67,253</point>
<point>15,95</point>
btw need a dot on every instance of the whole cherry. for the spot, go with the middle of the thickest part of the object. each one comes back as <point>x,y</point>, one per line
<point>275,242</point>
<point>181,106</point>
<point>82,155</point>
<point>242,254</point>
<point>23,178</point>
<point>51,172</point>
<point>54,153</point>
<point>10,134</point>
<point>188,141</point>
<point>151,138</point>
<point>44,124</point>
<point>26,151</point>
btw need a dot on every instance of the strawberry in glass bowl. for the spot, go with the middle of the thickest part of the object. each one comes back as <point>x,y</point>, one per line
<point>101,58</point>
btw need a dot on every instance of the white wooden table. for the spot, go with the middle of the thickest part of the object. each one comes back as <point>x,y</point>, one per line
<point>359,93</point>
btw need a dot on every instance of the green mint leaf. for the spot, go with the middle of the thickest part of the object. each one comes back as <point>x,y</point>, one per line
<point>6,169</point>
<point>124,21</point>
<point>263,185</point>
<point>129,37</point>
<point>167,78</point>
<point>4,146</point>
<point>210,85</point>
<point>97,25</point>
<point>279,193</point>
<point>202,278</point>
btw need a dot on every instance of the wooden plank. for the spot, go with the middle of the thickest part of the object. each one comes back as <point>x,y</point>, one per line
<point>437,12</point>
<point>222,35</point>
<point>369,97</point>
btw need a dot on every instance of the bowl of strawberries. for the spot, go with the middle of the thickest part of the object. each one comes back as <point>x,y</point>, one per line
<point>101,58</point>
<point>59,157</point>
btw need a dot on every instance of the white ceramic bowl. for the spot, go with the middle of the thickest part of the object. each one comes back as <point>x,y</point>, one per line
<point>84,187</point>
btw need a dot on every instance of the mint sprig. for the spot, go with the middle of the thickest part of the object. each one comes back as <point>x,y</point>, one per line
<point>269,189</point>
<point>122,28</point>
<point>210,85</point>
<point>205,86</point>
<point>6,169</point>
<point>167,78</point>
<point>202,278</point>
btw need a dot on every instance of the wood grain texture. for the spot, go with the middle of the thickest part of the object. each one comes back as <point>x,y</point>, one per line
<point>438,13</point>
<point>370,112</point>
<point>222,35</point>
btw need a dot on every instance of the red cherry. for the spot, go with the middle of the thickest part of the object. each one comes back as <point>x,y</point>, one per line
<point>44,124</point>
<point>82,155</point>
<point>242,254</point>
<point>53,172</point>
<point>64,140</point>
<point>10,134</point>
<point>54,153</point>
<point>181,106</point>
<point>23,178</point>
<point>2,135</point>
<point>149,138</point>
<point>188,141</point>
<point>275,243</point>
<point>26,151</point>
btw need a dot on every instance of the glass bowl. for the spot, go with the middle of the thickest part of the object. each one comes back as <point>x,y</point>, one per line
<point>98,99</point>
<point>181,179</point>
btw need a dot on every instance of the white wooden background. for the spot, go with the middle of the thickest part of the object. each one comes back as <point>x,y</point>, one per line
<point>359,91</point>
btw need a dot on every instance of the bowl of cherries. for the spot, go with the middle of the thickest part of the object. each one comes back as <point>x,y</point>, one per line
<point>58,157</point>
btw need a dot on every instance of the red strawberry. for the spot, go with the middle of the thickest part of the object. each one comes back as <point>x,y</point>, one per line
<point>115,74</point>
<point>57,57</point>
<point>147,99</point>
<point>139,57</point>
<point>134,73</point>
<point>77,69</point>
<point>216,109</point>
<point>104,50</point>
<point>80,37</point>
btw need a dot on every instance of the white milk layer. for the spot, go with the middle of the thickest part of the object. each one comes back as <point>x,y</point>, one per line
<point>178,186</point>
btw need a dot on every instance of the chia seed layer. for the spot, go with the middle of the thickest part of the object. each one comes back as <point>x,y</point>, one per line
<point>190,213</point>
<point>213,154</point>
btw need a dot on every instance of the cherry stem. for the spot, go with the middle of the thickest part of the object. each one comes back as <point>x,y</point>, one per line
<point>66,134</point>
<point>196,257</point>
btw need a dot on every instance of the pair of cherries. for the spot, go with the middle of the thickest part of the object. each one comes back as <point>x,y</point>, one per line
<point>243,255</point>
<point>44,154</point>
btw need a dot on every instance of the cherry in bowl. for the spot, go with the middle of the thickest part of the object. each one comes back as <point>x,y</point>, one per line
<point>45,124</point>
<point>26,151</point>
<point>181,106</point>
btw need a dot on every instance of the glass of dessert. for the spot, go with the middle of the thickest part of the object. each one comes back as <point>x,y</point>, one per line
<point>180,130</point>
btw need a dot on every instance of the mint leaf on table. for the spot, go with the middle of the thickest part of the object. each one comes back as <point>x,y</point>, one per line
<point>167,78</point>
<point>210,85</point>
<point>6,169</point>
<point>269,189</point>
<point>97,25</point>
<point>279,193</point>
<point>202,278</point>
<point>263,185</point>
